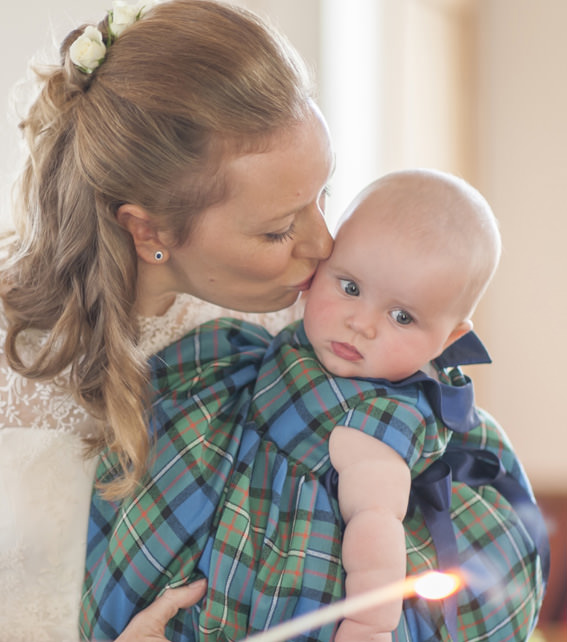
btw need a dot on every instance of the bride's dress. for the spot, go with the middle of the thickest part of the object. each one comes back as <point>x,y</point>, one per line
<point>46,483</point>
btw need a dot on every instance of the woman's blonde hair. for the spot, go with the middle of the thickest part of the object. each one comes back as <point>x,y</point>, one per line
<point>190,82</point>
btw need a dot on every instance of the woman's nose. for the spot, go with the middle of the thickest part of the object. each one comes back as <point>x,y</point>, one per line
<point>313,240</point>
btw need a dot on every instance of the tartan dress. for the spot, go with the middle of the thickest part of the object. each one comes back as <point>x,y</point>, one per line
<point>240,491</point>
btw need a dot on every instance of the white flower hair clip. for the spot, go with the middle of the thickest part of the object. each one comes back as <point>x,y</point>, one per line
<point>122,15</point>
<point>89,50</point>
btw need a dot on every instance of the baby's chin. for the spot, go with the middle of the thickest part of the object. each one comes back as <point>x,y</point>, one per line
<point>339,367</point>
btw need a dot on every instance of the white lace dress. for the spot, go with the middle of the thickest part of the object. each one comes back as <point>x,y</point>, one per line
<point>45,484</point>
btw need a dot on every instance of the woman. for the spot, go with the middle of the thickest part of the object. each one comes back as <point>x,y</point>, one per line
<point>118,176</point>
<point>175,151</point>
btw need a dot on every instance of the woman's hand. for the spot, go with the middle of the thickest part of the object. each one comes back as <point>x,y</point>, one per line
<point>149,624</point>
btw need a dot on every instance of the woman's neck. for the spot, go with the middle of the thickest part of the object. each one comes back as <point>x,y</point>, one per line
<point>153,298</point>
<point>155,307</point>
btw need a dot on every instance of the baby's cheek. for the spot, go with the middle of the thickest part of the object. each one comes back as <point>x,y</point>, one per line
<point>319,313</point>
<point>310,317</point>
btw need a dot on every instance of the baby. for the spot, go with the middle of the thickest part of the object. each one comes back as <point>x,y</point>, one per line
<point>349,391</point>
<point>413,255</point>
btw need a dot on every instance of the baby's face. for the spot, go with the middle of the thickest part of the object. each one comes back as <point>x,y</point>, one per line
<point>377,308</point>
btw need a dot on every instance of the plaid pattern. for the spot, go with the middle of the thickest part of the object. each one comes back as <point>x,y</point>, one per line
<point>503,596</point>
<point>238,493</point>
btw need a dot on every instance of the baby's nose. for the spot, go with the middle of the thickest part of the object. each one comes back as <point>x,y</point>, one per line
<point>363,326</point>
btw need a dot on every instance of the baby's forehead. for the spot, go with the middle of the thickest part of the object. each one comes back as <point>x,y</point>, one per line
<point>428,210</point>
<point>373,215</point>
<point>368,236</point>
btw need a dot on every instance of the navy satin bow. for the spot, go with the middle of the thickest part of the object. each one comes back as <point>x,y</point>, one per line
<point>431,492</point>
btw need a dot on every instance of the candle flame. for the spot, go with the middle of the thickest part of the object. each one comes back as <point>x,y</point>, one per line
<point>437,586</point>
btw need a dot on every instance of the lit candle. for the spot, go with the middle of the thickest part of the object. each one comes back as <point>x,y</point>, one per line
<point>432,585</point>
<point>436,586</point>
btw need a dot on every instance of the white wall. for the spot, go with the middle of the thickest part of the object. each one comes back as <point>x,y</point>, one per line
<point>523,172</point>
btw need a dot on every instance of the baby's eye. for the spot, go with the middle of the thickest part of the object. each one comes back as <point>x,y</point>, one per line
<point>402,317</point>
<point>349,287</point>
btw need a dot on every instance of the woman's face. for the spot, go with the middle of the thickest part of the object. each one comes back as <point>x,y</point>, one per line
<point>259,248</point>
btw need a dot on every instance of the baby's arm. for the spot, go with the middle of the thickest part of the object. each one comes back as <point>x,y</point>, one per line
<point>374,484</point>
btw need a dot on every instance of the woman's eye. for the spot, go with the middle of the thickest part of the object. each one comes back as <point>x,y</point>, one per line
<point>349,287</point>
<point>402,317</point>
<point>282,236</point>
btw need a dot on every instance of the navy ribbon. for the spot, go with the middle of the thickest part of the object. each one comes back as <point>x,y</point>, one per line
<point>481,467</point>
<point>467,350</point>
<point>431,492</point>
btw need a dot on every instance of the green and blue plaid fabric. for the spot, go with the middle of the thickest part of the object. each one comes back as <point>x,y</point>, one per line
<point>239,492</point>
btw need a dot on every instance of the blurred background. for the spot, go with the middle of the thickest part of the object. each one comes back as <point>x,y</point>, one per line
<point>474,87</point>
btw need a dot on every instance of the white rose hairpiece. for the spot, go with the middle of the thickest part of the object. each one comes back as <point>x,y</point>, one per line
<point>89,49</point>
<point>122,15</point>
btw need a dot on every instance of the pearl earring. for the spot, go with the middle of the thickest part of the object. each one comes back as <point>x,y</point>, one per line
<point>158,256</point>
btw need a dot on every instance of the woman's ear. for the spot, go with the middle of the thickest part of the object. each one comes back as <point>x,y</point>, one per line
<point>135,220</point>
<point>460,330</point>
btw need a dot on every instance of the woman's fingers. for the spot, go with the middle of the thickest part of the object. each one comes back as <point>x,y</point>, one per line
<point>166,606</point>
<point>149,624</point>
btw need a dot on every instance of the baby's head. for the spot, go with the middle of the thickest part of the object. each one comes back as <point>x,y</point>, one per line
<point>413,255</point>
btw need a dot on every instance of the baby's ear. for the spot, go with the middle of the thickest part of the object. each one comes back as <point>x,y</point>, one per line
<point>460,330</point>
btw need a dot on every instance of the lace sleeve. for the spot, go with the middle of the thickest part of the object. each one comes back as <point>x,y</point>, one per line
<point>26,403</point>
